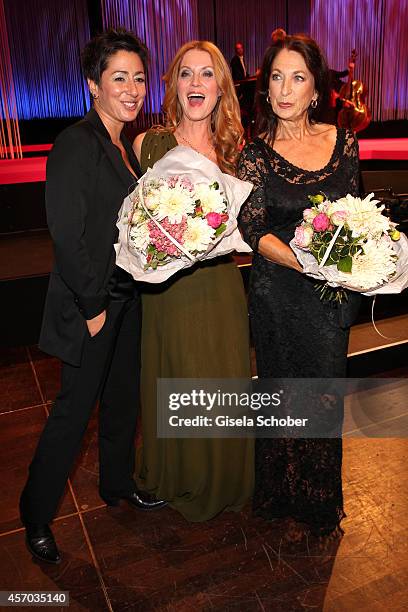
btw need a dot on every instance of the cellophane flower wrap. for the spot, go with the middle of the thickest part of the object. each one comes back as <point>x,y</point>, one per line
<point>351,244</point>
<point>183,210</point>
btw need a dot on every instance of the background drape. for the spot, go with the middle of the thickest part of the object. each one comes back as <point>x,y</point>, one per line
<point>46,36</point>
<point>251,23</point>
<point>45,40</point>
<point>377,29</point>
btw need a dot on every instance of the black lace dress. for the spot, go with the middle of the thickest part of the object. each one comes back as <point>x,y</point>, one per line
<point>296,335</point>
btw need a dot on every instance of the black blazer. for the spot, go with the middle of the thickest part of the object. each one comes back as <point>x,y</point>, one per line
<point>237,70</point>
<point>87,181</point>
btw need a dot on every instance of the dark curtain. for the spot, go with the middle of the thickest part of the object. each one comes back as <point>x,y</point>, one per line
<point>377,29</point>
<point>251,23</point>
<point>45,39</point>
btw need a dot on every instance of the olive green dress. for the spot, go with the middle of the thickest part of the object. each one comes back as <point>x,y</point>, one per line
<point>195,325</point>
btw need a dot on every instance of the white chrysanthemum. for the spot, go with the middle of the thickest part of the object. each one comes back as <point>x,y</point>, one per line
<point>174,203</point>
<point>139,236</point>
<point>374,266</point>
<point>364,218</point>
<point>333,207</point>
<point>211,200</point>
<point>198,234</point>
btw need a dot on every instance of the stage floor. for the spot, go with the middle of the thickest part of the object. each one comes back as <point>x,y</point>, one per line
<point>124,559</point>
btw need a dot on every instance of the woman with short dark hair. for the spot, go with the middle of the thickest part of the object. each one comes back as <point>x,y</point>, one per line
<point>296,334</point>
<point>92,312</point>
<point>96,54</point>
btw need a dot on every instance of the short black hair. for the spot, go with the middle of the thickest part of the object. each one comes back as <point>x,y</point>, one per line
<point>96,53</point>
<point>316,63</point>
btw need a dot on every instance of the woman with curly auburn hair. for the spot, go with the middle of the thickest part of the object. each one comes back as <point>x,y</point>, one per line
<point>195,325</point>
<point>226,128</point>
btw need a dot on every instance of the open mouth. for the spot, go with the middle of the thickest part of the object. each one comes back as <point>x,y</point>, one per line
<point>196,99</point>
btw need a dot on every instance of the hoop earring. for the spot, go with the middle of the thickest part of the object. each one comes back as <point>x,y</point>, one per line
<point>313,103</point>
<point>268,99</point>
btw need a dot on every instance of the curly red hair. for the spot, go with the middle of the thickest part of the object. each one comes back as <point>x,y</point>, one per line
<point>226,125</point>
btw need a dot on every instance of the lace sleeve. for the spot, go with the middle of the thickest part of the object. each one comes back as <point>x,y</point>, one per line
<point>253,219</point>
<point>351,151</point>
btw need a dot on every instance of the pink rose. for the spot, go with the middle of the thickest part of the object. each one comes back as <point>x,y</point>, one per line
<point>339,217</point>
<point>214,219</point>
<point>309,214</point>
<point>303,236</point>
<point>321,222</point>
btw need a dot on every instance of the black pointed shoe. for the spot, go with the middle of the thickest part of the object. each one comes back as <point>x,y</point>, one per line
<point>41,544</point>
<point>138,499</point>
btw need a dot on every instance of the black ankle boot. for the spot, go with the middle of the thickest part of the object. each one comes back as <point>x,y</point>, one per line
<point>41,544</point>
<point>138,499</point>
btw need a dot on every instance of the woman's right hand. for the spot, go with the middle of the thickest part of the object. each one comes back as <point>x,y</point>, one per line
<point>276,251</point>
<point>95,325</point>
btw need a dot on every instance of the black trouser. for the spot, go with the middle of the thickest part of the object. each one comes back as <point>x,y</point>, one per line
<point>110,370</point>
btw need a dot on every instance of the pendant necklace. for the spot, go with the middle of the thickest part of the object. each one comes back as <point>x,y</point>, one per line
<point>211,147</point>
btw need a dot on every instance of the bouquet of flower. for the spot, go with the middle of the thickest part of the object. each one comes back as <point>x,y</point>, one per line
<point>350,244</point>
<point>183,210</point>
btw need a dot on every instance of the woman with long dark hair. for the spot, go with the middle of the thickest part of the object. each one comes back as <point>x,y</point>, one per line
<point>296,334</point>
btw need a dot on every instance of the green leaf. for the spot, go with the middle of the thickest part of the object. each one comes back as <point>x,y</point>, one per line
<point>345,264</point>
<point>330,261</point>
<point>345,252</point>
<point>317,255</point>
<point>221,228</point>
